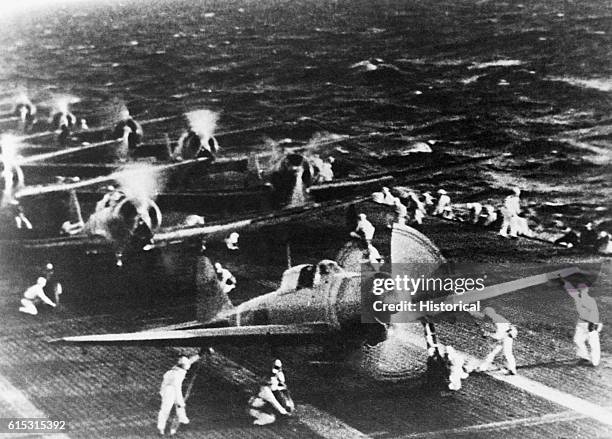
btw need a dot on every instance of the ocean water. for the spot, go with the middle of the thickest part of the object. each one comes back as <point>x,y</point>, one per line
<point>528,82</point>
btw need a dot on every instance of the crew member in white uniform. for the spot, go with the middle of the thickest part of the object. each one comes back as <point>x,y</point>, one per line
<point>510,211</point>
<point>171,392</point>
<point>279,387</point>
<point>264,405</point>
<point>364,229</point>
<point>588,326</point>
<point>444,207</point>
<point>388,197</point>
<point>504,335</point>
<point>457,372</point>
<point>225,277</point>
<point>33,295</point>
<point>231,241</point>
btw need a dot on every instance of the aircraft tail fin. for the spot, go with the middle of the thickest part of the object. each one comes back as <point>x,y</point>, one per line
<point>210,298</point>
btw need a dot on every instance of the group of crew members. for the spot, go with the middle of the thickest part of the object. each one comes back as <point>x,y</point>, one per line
<point>446,364</point>
<point>507,219</point>
<point>270,397</point>
<point>447,367</point>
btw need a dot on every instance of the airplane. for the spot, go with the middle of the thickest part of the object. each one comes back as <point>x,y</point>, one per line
<point>136,223</point>
<point>127,219</point>
<point>320,305</point>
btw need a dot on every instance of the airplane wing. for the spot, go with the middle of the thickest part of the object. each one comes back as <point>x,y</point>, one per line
<point>281,216</point>
<point>208,336</point>
<point>177,235</point>
<point>494,291</point>
<point>88,243</point>
<point>66,151</point>
<point>129,171</point>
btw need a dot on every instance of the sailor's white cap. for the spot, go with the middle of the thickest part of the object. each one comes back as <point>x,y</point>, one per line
<point>442,191</point>
<point>184,362</point>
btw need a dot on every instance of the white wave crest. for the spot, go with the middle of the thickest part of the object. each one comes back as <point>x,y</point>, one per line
<point>496,63</point>
<point>602,84</point>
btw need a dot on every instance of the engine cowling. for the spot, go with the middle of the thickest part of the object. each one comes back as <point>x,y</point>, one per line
<point>126,221</point>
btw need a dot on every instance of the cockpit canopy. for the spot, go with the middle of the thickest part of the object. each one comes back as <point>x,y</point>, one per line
<point>307,275</point>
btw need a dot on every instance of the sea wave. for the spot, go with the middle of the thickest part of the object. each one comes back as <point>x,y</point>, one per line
<point>602,84</point>
<point>497,63</point>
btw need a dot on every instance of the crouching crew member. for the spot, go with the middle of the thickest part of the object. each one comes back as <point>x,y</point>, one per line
<point>53,286</point>
<point>171,392</point>
<point>445,366</point>
<point>279,386</point>
<point>264,406</point>
<point>34,295</point>
<point>504,336</point>
<point>231,242</point>
<point>588,326</point>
